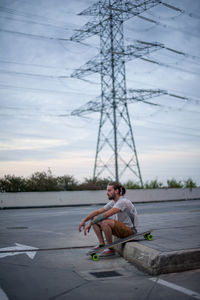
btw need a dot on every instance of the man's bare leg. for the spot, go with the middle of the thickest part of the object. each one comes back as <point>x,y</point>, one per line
<point>107,226</point>
<point>98,232</point>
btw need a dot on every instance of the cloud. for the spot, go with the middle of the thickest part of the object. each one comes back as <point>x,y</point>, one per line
<point>30,144</point>
<point>35,129</point>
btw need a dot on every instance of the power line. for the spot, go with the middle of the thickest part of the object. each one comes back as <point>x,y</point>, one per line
<point>36,90</point>
<point>192,15</point>
<point>33,65</point>
<point>29,15</point>
<point>29,35</point>
<point>35,22</point>
<point>166,26</point>
<point>169,66</point>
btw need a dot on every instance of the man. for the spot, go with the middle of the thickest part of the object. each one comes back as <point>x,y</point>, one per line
<point>118,217</point>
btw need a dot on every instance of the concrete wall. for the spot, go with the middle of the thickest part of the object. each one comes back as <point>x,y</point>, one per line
<point>68,198</point>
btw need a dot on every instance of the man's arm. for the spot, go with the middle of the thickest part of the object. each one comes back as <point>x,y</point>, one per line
<point>91,216</point>
<point>102,216</point>
<point>105,215</point>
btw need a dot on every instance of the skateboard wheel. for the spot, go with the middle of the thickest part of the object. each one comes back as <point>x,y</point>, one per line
<point>150,237</point>
<point>95,257</point>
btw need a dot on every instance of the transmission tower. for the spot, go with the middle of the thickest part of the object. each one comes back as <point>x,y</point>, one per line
<point>116,150</point>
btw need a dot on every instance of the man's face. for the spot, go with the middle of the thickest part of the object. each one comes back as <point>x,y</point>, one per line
<point>111,192</point>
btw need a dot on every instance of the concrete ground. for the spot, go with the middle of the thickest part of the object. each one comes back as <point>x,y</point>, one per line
<point>59,269</point>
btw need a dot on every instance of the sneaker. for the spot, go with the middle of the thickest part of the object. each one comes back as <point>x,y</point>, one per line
<point>97,247</point>
<point>107,252</point>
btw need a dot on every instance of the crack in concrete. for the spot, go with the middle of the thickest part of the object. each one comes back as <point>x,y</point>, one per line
<point>67,291</point>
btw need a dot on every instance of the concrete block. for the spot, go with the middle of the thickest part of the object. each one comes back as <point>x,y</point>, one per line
<point>154,262</point>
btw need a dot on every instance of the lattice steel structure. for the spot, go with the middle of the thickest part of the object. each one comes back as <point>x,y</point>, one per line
<point>116,149</point>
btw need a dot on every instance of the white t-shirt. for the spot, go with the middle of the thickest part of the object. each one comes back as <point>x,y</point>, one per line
<point>127,215</point>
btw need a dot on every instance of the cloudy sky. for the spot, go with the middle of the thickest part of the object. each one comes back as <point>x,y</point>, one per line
<point>37,93</point>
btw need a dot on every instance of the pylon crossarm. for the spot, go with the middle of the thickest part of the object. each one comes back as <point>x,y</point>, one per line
<point>92,66</point>
<point>91,106</point>
<point>93,10</point>
<point>140,49</point>
<point>89,29</point>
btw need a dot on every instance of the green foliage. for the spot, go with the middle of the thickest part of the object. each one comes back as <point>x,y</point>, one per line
<point>11,183</point>
<point>42,181</point>
<point>45,181</point>
<point>153,184</point>
<point>189,183</point>
<point>94,184</point>
<point>67,183</point>
<point>132,185</point>
<point>174,184</point>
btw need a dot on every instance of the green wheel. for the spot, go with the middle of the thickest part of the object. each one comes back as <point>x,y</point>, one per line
<point>95,257</point>
<point>150,237</point>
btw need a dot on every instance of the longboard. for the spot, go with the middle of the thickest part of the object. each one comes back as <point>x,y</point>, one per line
<point>146,234</point>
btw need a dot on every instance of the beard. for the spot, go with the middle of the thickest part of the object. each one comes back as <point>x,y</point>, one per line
<point>112,197</point>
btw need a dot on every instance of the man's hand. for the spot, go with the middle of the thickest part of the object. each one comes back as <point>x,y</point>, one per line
<point>87,228</point>
<point>82,224</point>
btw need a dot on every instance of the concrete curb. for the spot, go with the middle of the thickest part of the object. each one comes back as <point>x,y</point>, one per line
<point>154,262</point>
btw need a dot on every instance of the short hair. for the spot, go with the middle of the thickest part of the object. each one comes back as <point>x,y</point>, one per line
<point>119,187</point>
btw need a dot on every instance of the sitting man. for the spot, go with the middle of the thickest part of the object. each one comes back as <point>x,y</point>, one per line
<point>123,222</point>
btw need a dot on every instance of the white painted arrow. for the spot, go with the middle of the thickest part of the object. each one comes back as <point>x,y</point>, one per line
<point>18,249</point>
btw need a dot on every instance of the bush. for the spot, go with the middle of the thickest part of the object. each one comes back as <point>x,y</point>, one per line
<point>45,181</point>
<point>189,183</point>
<point>94,184</point>
<point>41,182</point>
<point>174,184</point>
<point>154,184</point>
<point>11,183</point>
<point>67,183</point>
<point>132,185</point>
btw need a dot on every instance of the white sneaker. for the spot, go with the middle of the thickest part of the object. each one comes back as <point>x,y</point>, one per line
<point>107,252</point>
<point>97,247</point>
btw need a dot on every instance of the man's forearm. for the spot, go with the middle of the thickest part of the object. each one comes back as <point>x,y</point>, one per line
<point>99,218</point>
<point>90,216</point>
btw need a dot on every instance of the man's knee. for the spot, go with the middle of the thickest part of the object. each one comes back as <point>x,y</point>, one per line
<point>106,223</point>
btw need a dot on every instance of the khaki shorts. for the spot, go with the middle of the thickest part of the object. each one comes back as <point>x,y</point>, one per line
<point>121,230</point>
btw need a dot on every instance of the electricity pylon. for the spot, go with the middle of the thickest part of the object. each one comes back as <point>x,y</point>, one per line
<point>116,149</point>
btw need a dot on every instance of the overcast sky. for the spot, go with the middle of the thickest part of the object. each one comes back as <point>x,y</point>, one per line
<point>37,93</point>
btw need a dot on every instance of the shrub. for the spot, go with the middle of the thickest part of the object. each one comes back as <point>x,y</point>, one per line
<point>174,184</point>
<point>42,181</point>
<point>154,184</point>
<point>11,183</point>
<point>132,185</point>
<point>95,183</point>
<point>67,183</point>
<point>189,183</point>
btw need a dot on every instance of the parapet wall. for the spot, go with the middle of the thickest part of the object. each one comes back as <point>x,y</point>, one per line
<point>78,198</point>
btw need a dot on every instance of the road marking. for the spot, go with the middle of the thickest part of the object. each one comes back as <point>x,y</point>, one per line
<point>177,288</point>
<point>18,249</point>
<point>3,296</point>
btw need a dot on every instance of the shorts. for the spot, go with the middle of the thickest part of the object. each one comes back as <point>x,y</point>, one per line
<point>121,230</point>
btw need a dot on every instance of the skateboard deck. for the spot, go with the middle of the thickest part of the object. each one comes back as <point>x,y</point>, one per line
<point>146,234</point>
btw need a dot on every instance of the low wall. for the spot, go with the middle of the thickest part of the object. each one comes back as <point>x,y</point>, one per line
<point>78,198</point>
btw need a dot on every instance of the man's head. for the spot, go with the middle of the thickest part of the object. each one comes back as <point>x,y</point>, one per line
<point>115,190</point>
